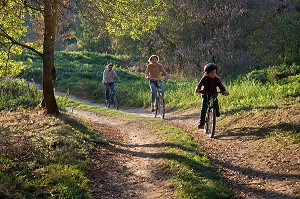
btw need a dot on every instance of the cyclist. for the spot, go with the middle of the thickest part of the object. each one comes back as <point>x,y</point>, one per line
<point>210,81</point>
<point>108,79</point>
<point>153,73</point>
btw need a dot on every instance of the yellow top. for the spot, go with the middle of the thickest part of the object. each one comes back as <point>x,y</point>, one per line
<point>155,72</point>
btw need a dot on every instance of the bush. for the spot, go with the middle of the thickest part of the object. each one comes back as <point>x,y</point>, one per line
<point>17,93</point>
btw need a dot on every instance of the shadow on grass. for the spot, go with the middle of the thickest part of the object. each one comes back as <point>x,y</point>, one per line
<point>74,123</point>
<point>255,133</point>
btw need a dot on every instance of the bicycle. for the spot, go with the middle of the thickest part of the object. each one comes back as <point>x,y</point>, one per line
<point>159,104</point>
<point>210,118</point>
<point>112,100</point>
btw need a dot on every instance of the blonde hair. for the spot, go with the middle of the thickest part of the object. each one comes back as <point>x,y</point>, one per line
<point>152,57</point>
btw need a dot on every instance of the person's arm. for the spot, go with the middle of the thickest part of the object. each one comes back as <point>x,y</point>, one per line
<point>165,72</point>
<point>222,87</point>
<point>116,75</point>
<point>104,76</point>
<point>199,85</point>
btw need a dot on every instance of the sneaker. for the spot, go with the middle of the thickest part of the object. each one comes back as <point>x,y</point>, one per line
<point>200,125</point>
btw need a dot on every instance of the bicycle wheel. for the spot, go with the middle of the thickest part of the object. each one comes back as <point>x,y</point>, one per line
<point>156,107</point>
<point>210,123</point>
<point>107,104</point>
<point>161,105</point>
<point>114,102</point>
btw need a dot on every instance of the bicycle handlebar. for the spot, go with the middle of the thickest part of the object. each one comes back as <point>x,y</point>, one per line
<point>204,93</point>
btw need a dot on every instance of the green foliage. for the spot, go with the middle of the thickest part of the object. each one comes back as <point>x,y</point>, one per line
<point>132,17</point>
<point>274,73</point>
<point>12,26</point>
<point>16,93</point>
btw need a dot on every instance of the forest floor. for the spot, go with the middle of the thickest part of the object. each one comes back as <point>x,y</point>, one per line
<point>251,150</point>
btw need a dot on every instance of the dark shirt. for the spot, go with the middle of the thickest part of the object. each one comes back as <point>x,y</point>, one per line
<point>210,85</point>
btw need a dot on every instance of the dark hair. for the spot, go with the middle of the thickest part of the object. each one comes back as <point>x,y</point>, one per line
<point>152,57</point>
<point>210,67</point>
<point>110,64</point>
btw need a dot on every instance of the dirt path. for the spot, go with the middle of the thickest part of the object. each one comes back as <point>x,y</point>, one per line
<point>253,166</point>
<point>133,167</point>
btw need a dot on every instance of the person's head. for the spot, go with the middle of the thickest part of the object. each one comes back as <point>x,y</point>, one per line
<point>210,69</point>
<point>153,59</point>
<point>109,66</point>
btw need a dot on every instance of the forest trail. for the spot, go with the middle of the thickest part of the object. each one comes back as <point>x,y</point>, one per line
<point>132,162</point>
<point>252,166</point>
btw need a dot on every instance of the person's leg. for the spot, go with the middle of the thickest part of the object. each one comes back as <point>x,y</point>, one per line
<point>203,112</point>
<point>216,104</point>
<point>112,86</point>
<point>153,93</point>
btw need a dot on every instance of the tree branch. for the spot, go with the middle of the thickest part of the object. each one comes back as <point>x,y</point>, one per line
<point>15,42</point>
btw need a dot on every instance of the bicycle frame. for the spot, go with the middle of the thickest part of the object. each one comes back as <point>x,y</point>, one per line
<point>210,118</point>
<point>159,101</point>
<point>112,99</point>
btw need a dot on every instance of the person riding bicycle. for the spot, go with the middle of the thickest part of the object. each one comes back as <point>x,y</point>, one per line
<point>153,73</point>
<point>210,81</point>
<point>108,79</point>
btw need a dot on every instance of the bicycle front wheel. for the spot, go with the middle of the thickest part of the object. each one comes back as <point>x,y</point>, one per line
<point>210,123</point>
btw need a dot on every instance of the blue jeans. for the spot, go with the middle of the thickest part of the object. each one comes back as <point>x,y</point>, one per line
<point>153,85</point>
<point>205,106</point>
<point>109,86</point>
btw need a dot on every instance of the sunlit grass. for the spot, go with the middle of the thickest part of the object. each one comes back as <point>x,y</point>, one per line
<point>80,74</point>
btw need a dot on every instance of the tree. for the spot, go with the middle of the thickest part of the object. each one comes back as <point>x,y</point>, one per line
<point>11,22</point>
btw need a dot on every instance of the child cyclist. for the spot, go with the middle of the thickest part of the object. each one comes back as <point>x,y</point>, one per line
<point>153,73</point>
<point>210,81</point>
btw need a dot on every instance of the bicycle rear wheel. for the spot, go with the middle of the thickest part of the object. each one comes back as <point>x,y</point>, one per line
<point>161,107</point>
<point>156,107</point>
<point>210,122</point>
<point>115,102</point>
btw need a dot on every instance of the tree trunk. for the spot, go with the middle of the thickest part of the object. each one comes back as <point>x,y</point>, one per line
<point>50,20</point>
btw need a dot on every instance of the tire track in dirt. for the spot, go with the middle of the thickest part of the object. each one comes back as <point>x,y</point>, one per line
<point>142,157</point>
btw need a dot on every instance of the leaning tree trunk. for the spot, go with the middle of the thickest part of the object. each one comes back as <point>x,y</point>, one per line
<point>50,20</point>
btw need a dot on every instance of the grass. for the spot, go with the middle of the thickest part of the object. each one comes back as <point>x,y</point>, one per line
<point>80,74</point>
